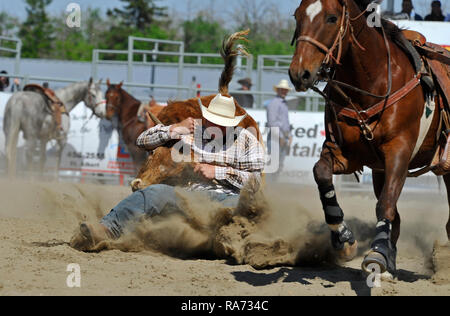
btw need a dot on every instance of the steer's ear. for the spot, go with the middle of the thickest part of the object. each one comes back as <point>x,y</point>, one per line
<point>119,86</point>
<point>108,82</point>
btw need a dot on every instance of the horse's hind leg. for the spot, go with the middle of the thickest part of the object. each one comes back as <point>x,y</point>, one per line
<point>341,237</point>
<point>447,184</point>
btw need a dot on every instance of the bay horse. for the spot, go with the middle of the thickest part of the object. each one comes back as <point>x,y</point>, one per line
<point>121,103</point>
<point>375,104</point>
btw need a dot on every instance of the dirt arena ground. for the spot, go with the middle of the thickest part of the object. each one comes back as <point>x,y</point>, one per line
<point>37,221</point>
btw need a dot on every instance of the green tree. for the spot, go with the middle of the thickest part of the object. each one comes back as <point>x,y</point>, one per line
<point>37,31</point>
<point>139,14</point>
<point>8,25</point>
<point>203,35</point>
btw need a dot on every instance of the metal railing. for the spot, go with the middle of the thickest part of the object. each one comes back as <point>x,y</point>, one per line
<point>166,48</point>
<point>16,50</point>
<point>149,58</point>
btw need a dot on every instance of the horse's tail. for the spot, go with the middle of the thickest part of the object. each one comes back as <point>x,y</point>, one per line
<point>11,127</point>
<point>229,53</point>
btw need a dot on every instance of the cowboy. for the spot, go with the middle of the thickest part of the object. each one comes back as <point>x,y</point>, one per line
<point>245,100</point>
<point>278,123</point>
<point>226,155</point>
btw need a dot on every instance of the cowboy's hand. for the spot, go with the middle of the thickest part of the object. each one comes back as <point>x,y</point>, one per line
<point>184,128</point>
<point>208,171</point>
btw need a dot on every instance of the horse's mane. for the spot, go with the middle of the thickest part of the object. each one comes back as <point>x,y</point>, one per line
<point>394,33</point>
<point>392,30</point>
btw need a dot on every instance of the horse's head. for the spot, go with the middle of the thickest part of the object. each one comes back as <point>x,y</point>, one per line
<point>95,99</point>
<point>113,99</point>
<point>321,37</point>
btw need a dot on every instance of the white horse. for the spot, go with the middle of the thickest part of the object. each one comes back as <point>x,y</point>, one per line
<point>28,112</point>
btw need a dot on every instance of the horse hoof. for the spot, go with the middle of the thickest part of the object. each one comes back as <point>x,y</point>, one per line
<point>374,260</point>
<point>349,252</point>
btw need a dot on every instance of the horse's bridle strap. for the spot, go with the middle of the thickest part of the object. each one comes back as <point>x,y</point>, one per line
<point>345,22</point>
<point>381,106</point>
<point>315,42</point>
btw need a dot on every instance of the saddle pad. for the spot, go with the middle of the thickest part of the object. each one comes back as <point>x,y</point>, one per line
<point>425,124</point>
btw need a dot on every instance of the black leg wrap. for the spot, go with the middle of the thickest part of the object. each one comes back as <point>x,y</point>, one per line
<point>383,245</point>
<point>338,239</point>
<point>333,212</point>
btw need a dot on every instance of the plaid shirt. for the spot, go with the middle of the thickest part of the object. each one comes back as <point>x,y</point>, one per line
<point>237,158</point>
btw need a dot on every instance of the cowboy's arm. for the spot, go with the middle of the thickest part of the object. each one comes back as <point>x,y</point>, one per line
<point>159,135</point>
<point>250,165</point>
<point>154,137</point>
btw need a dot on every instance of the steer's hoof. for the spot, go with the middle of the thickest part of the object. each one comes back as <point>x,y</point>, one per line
<point>136,185</point>
<point>374,263</point>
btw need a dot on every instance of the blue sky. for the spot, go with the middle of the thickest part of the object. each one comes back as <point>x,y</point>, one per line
<point>17,7</point>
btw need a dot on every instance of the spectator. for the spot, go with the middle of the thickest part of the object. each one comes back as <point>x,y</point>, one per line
<point>245,100</point>
<point>447,19</point>
<point>436,12</point>
<point>4,81</point>
<point>278,122</point>
<point>408,12</point>
<point>15,87</point>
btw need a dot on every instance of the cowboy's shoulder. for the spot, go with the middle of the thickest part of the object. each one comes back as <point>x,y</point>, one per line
<point>248,136</point>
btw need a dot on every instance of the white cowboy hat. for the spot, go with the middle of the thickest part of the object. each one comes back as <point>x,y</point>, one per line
<point>221,111</point>
<point>284,84</point>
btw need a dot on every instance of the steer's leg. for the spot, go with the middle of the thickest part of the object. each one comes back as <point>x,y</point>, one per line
<point>341,237</point>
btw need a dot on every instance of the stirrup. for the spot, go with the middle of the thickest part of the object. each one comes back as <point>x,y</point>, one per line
<point>441,162</point>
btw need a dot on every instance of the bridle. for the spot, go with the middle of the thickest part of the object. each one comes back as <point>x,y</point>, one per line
<point>92,102</point>
<point>326,67</point>
<point>112,106</point>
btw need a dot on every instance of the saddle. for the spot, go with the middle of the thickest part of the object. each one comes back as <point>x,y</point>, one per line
<point>54,104</point>
<point>435,68</point>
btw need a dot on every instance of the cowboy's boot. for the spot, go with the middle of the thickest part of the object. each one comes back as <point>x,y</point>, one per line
<point>90,236</point>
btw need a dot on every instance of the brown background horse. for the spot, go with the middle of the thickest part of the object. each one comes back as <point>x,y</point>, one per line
<point>121,103</point>
<point>335,42</point>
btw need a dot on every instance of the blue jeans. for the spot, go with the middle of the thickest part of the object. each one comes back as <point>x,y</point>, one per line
<point>155,200</point>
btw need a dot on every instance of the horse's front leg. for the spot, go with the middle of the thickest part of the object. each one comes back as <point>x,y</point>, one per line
<point>384,247</point>
<point>342,237</point>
